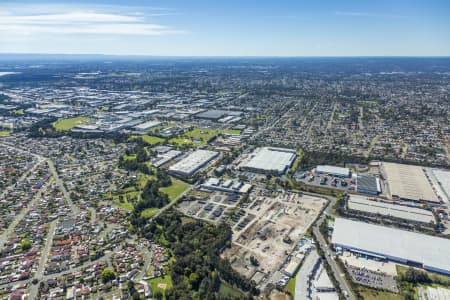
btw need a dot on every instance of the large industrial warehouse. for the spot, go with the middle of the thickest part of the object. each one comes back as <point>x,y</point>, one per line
<point>333,170</point>
<point>443,179</point>
<point>193,163</point>
<point>408,182</point>
<point>410,248</point>
<point>367,184</point>
<point>412,214</point>
<point>269,160</point>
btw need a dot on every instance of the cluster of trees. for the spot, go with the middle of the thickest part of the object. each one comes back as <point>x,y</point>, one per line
<point>150,197</point>
<point>108,275</point>
<point>139,163</point>
<point>134,165</point>
<point>411,278</point>
<point>313,158</point>
<point>198,270</point>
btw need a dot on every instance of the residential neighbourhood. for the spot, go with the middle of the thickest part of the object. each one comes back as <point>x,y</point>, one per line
<point>123,184</point>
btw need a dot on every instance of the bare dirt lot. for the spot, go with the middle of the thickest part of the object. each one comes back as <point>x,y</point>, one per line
<point>281,220</point>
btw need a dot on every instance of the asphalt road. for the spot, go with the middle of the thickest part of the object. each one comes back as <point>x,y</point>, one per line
<point>73,207</point>
<point>4,236</point>
<point>43,260</point>
<point>337,272</point>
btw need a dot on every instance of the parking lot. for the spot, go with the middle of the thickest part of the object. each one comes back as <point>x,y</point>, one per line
<point>213,207</point>
<point>324,180</point>
<point>374,273</point>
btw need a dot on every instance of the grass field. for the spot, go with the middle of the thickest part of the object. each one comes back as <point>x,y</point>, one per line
<point>4,133</point>
<point>149,212</point>
<point>131,193</point>
<point>182,141</point>
<point>67,124</point>
<point>176,189</point>
<point>200,136</point>
<point>151,140</point>
<point>297,160</point>
<point>290,287</point>
<point>433,276</point>
<point>166,280</point>
<point>19,112</point>
<point>124,205</point>
<point>129,157</point>
<point>226,290</point>
<point>370,294</point>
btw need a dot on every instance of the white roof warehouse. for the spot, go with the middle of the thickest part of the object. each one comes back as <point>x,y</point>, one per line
<point>270,160</point>
<point>193,163</point>
<point>419,250</point>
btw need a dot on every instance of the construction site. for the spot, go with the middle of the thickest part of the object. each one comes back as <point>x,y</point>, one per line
<point>266,229</point>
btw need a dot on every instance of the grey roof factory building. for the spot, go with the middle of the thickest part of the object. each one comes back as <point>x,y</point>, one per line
<point>367,184</point>
<point>193,163</point>
<point>333,170</point>
<point>405,247</point>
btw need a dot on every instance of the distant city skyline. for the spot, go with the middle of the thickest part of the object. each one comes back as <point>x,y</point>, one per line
<point>227,28</point>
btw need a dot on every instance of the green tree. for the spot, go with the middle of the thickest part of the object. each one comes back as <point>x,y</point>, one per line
<point>25,244</point>
<point>108,275</point>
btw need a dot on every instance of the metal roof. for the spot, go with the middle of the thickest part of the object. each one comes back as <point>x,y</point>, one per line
<point>399,211</point>
<point>271,159</point>
<point>408,182</point>
<point>333,170</point>
<point>443,179</point>
<point>429,250</point>
<point>193,162</point>
<point>367,183</point>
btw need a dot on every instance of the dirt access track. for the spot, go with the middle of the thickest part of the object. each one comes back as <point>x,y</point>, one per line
<point>281,220</point>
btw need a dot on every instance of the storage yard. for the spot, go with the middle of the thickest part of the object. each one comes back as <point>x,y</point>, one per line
<point>267,227</point>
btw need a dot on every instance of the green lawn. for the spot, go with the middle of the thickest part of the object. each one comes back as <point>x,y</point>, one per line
<point>371,294</point>
<point>226,290</point>
<point>181,141</point>
<point>297,160</point>
<point>129,157</point>
<point>200,136</point>
<point>67,124</point>
<point>4,133</point>
<point>151,140</point>
<point>176,189</point>
<point>290,287</point>
<point>149,212</point>
<point>124,205</point>
<point>144,178</point>
<point>18,112</point>
<point>167,280</point>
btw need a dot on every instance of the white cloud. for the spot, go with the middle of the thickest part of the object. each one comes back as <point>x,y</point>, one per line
<point>71,17</point>
<point>115,29</point>
<point>81,22</point>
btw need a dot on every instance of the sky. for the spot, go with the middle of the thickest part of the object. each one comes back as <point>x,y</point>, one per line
<point>227,27</point>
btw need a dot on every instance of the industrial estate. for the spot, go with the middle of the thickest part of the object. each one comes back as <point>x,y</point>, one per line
<point>255,179</point>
